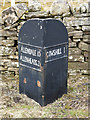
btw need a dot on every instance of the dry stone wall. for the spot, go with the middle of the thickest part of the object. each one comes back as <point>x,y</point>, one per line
<point>78,26</point>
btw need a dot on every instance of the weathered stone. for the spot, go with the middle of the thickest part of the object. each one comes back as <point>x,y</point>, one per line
<point>70,40</point>
<point>13,57</point>
<point>76,40</point>
<point>8,63</point>
<point>85,72</point>
<point>87,40</point>
<point>13,69</point>
<point>73,21</point>
<point>20,9</point>
<point>78,65</point>
<point>59,7</point>
<point>86,37</point>
<point>86,28</point>
<point>34,6</point>
<point>8,73</point>
<point>83,8</point>
<point>11,27</point>
<point>84,46</point>
<point>88,10</point>
<point>1,21</point>
<point>66,14</point>
<point>19,26</point>
<point>1,38</point>
<point>0,27</point>
<point>77,9</point>
<point>86,33</point>
<point>9,16</point>
<point>76,58</point>
<point>74,51</point>
<point>72,44</point>
<point>39,14</point>
<point>12,38</point>
<point>2,68</point>
<point>77,36</point>
<point>8,33</point>
<point>85,54</point>
<point>58,18</point>
<point>12,14</point>
<point>78,28</point>
<point>70,29</point>
<point>7,50</point>
<point>74,72</point>
<point>8,78</point>
<point>80,8</point>
<point>75,33</point>
<point>82,15</point>
<point>7,42</point>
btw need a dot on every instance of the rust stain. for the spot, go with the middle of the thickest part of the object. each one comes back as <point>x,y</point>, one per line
<point>41,68</point>
<point>38,84</point>
<point>46,56</point>
<point>25,81</point>
<point>42,96</point>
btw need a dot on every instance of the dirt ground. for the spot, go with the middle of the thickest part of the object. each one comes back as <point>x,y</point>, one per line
<point>74,104</point>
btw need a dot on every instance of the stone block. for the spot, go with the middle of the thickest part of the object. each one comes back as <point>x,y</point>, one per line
<point>78,36</point>
<point>12,57</point>
<point>59,7</point>
<point>34,6</point>
<point>88,10</point>
<point>84,46</point>
<point>12,38</point>
<point>39,14</point>
<point>86,28</point>
<point>77,40</point>
<point>12,27</point>
<point>8,33</point>
<point>75,33</point>
<point>86,32</point>
<point>82,15</point>
<point>74,72</point>
<point>76,58</point>
<point>78,65</point>
<point>2,68</point>
<point>20,9</point>
<point>74,51</point>
<point>7,50</point>
<point>87,40</point>
<point>7,43</point>
<point>78,28</point>
<point>12,14</point>
<point>70,29</point>
<point>9,63</point>
<point>86,54</point>
<point>73,21</point>
<point>86,36</point>
<point>13,69</point>
<point>85,72</point>
<point>72,44</point>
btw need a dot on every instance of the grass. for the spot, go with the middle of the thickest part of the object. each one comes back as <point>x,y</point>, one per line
<point>61,108</point>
